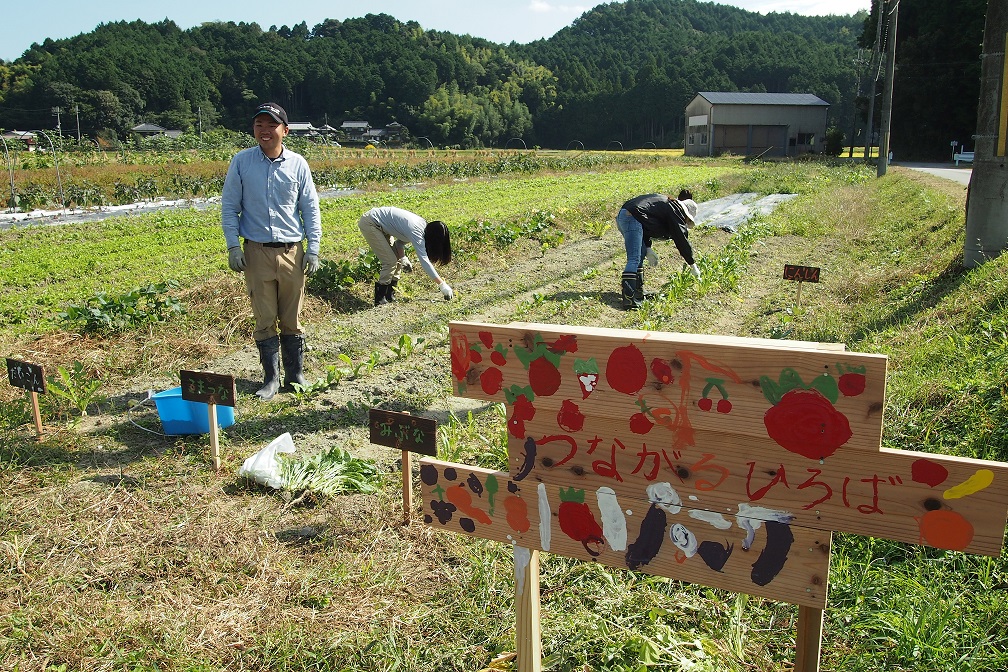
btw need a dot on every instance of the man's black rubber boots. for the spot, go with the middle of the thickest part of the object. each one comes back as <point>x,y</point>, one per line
<point>269,355</point>
<point>292,351</point>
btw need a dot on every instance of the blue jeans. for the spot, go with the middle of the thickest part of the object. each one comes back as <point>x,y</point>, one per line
<point>633,239</point>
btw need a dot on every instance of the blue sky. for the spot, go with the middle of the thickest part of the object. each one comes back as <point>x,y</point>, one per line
<point>502,21</point>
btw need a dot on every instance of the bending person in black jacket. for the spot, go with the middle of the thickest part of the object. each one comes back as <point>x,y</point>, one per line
<point>653,216</point>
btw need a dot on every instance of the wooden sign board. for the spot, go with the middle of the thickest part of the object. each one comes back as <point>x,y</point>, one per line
<point>768,558</point>
<point>730,433</point>
<point>26,376</point>
<point>403,431</point>
<point>801,273</point>
<point>208,388</point>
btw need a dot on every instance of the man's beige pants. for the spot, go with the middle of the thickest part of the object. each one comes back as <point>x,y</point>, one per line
<point>276,282</point>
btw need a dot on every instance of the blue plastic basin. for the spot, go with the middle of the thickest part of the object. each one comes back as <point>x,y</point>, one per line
<point>179,416</point>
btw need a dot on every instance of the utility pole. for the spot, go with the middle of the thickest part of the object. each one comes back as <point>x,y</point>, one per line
<point>199,112</point>
<point>859,63</point>
<point>77,114</point>
<point>986,205</point>
<point>883,158</point>
<point>59,128</point>
<point>876,65</point>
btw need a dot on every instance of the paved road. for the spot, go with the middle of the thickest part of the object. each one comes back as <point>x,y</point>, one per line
<point>948,171</point>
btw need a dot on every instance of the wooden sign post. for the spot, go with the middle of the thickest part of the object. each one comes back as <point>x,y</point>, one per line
<point>211,389</point>
<point>800,274</point>
<point>31,378</point>
<point>409,434</point>
<point>722,461</point>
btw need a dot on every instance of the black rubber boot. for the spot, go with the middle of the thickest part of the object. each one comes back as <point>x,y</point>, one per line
<point>292,351</point>
<point>390,292</point>
<point>639,294</point>
<point>380,291</point>
<point>628,291</point>
<point>269,355</point>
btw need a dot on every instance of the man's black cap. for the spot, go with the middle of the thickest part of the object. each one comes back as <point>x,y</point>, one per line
<point>273,110</point>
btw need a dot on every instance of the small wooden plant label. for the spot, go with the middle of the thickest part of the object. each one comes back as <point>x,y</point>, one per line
<point>208,388</point>
<point>801,273</point>
<point>403,431</point>
<point>25,375</point>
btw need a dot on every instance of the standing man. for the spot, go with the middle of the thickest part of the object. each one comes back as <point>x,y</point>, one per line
<point>269,200</point>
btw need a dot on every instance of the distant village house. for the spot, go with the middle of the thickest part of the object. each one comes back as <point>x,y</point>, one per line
<point>146,130</point>
<point>20,140</point>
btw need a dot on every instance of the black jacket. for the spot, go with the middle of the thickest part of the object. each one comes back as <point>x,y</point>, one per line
<point>663,218</point>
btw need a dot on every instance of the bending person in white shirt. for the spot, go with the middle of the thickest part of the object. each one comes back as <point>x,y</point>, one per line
<point>388,230</point>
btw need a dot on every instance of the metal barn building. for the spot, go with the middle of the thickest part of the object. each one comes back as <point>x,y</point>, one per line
<point>755,124</point>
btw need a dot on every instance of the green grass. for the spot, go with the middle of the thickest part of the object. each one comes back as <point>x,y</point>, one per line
<point>119,553</point>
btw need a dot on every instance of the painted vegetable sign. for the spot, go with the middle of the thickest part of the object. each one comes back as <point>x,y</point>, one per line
<point>718,460</point>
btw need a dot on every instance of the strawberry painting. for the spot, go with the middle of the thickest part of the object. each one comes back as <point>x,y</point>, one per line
<point>521,409</point>
<point>587,373</point>
<point>578,522</point>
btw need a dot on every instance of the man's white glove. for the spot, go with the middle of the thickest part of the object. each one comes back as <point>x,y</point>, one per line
<point>651,257</point>
<point>236,259</point>
<point>695,270</point>
<point>406,265</point>
<point>446,291</point>
<point>310,263</point>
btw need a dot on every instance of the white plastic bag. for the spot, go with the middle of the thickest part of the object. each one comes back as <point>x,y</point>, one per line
<point>262,467</point>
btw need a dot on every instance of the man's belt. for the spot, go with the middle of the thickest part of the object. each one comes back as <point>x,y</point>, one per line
<point>287,245</point>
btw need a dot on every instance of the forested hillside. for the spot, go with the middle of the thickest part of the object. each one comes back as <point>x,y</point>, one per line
<point>621,72</point>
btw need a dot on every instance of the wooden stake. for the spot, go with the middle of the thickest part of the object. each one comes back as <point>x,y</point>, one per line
<point>36,414</point>
<point>214,442</point>
<point>407,486</point>
<point>528,635</point>
<point>808,640</point>
<point>798,301</point>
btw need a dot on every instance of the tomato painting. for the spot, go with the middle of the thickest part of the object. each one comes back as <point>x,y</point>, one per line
<point>626,370</point>
<point>928,472</point>
<point>570,418</point>
<point>804,422</point>
<point>544,377</point>
<point>640,423</point>
<point>851,384</point>
<point>662,371</point>
<point>491,380</point>
<point>587,372</point>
